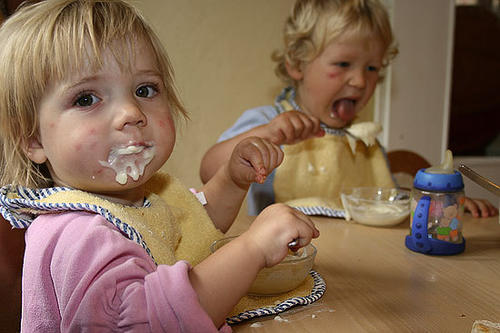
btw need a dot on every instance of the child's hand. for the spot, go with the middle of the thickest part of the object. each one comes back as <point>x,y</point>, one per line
<point>252,160</point>
<point>274,228</point>
<point>480,207</point>
<point>292,127</point>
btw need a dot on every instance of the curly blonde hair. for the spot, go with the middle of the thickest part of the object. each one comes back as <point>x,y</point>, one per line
<point>45,42</point>
<point>313,24</point>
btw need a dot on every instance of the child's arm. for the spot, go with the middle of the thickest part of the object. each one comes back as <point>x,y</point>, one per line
<point>287,128</point>
<point>223,278</point>
<point>251,161</point>
<point>480,207</point>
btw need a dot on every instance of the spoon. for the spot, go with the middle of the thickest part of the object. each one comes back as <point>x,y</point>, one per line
<point>293,244</point>
<point>480,180</point>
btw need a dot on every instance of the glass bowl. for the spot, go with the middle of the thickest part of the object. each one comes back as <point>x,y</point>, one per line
<point>283,277</point>
<point>376,206</point>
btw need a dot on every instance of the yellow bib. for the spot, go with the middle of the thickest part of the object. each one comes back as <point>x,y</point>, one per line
<point>175,226</point>
<point>315,171</point>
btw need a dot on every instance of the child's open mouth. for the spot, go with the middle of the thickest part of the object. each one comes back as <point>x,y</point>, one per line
<point>344,109</point>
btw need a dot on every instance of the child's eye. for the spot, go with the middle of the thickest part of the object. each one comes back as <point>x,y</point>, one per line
<point>372,69</point>
<point>344,64</point>
<point>85,100</point>
<point>146,91</point>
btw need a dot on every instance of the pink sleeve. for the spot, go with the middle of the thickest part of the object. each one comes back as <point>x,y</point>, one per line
<point>80,272</point>
<point>170,289</point>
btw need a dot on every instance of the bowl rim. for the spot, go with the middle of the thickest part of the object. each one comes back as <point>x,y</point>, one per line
<point>285,260</point>
<point>347,192</point>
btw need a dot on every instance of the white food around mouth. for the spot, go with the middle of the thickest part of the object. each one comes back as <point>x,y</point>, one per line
<point>129,161</point>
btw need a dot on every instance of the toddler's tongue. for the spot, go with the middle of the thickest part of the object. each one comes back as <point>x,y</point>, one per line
<point>344,109</point>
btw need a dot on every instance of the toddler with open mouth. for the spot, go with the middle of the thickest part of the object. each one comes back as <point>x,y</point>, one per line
<point>333,56</point>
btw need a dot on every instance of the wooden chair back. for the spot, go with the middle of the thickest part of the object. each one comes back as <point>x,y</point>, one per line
<point>404,165</point>
<point>405,161</point>
<point>11,265</point>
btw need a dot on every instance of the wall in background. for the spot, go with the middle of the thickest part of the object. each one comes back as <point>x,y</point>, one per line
<point>221,54</point>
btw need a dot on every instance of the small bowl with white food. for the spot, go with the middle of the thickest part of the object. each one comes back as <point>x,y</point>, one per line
<point>283,277</point>
<point>376,206</point>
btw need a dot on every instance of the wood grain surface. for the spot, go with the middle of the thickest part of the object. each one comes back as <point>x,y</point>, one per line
<point>375,284</point>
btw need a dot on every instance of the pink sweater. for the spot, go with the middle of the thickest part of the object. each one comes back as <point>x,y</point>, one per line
<point>81,274</point>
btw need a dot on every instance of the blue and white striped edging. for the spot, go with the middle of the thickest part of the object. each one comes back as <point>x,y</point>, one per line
<point>316,293</point>
<point>320,210</point>
<point>27,200</point>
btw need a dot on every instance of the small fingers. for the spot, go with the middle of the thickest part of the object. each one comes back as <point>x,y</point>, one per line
<point>480,207</point>
<point>305,127</point>
<point>266,158</point>
<point>304,228</point>
<point>260,160</point>
<point>281,129</point>
<point>471,206</point>
<point>302,128</point>
<point>317,130</point>
<point>288,131</point>
<point>275,156</point>
<point>493,210</point>
<point>486,208</point>
<point>294,126</point>
<point>307,221</point>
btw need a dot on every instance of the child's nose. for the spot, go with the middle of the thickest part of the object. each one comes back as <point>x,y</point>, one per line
<point>358,79</point>
<point>130,114</point>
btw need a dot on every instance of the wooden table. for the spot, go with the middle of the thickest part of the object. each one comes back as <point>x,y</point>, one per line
<point>375,284</point>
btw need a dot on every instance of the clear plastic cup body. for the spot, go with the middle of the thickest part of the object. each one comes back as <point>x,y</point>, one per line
<point>446,210</point>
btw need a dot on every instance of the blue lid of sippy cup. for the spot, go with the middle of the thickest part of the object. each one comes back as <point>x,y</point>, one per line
<point>441,182</point>
<point>440,178</point>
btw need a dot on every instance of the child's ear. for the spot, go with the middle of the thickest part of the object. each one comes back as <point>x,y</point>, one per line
<point>35,151</point>
<point>295,72</point>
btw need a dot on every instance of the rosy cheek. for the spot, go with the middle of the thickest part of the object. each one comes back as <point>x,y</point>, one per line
<point>89,144</point>
<point>167,124</point>
<point>332,75</point>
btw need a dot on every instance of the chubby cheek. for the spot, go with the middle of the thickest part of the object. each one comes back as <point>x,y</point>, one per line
<point>86,147</point>
<point>87,161</point>
<point>86,141</point>
<point>165,137</point>
<point>166,128</point>
<point>166,123</point>
<point>332,75</point>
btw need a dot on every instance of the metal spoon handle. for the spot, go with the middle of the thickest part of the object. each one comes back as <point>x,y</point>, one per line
<point>293,243</point>
<point>480,180</point>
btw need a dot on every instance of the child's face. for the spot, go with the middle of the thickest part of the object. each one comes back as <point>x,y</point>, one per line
<point>338,83</point>
<point>96,126</point>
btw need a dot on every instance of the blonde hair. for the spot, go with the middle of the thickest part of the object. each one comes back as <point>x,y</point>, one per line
<point>47,41</point>
<point>313,24</point>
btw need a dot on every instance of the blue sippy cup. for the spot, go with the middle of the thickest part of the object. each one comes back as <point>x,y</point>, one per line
<point>437,207</point>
